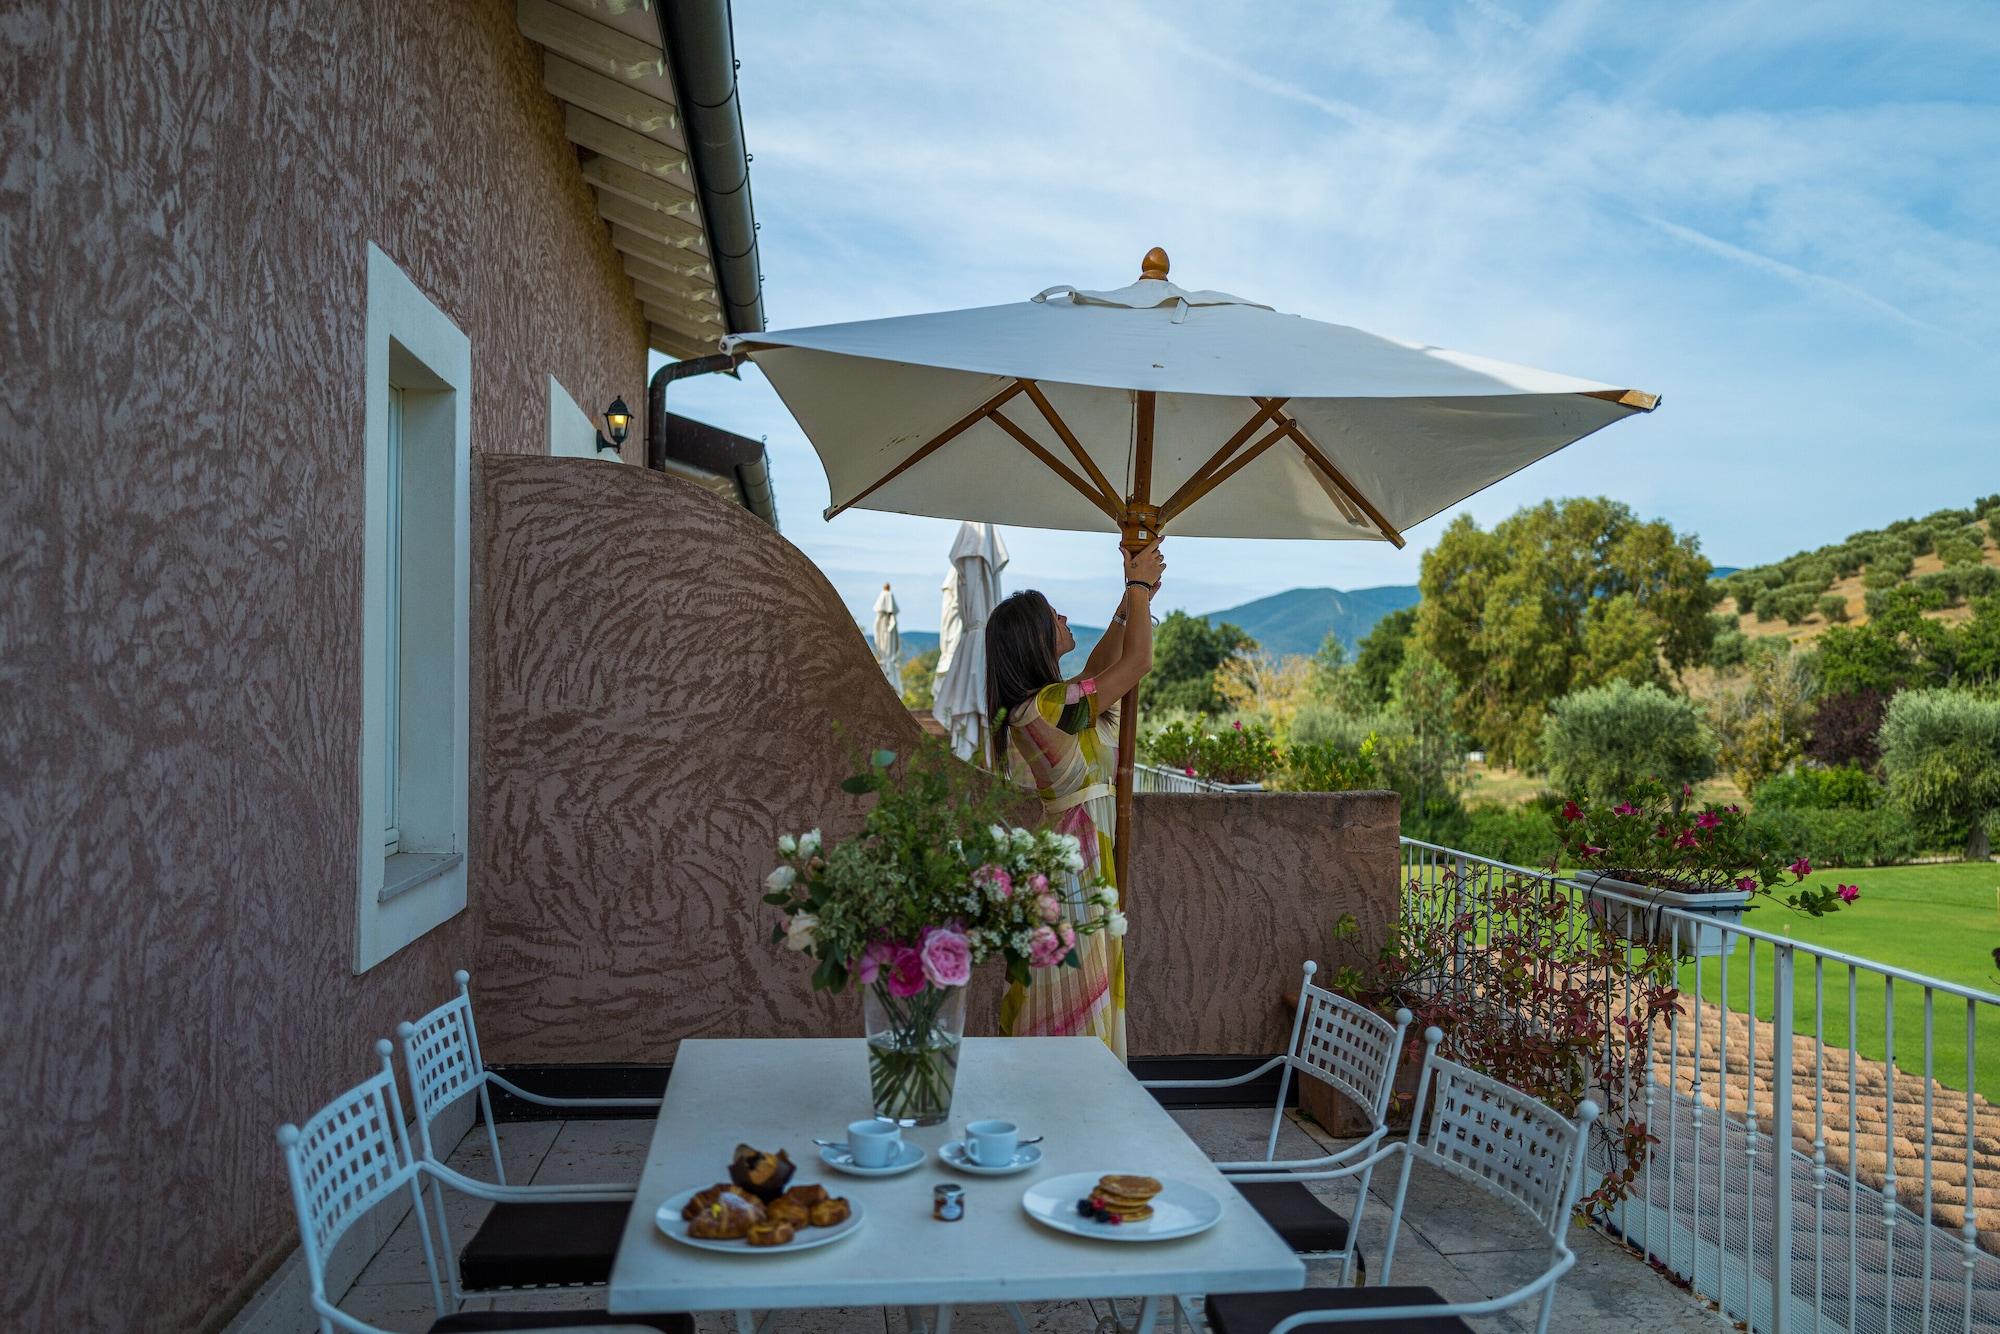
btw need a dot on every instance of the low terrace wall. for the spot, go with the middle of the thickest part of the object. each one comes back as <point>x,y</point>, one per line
<point>663,679</point>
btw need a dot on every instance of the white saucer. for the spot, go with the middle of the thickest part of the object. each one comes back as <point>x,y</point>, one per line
<point>670,1222</point>
<point>837,1157</point>
<point>953,1156</point>
<point>1179,1210</point>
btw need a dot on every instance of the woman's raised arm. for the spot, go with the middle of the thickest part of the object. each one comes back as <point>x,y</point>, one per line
<point>1126,663</point>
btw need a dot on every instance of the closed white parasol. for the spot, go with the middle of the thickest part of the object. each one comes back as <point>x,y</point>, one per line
<point>888,639</point>
<point>971,590</point>
<point>1154,409</point>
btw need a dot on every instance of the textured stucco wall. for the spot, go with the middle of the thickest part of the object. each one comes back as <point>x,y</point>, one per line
<point>648,738</point>
<point>188,192</point>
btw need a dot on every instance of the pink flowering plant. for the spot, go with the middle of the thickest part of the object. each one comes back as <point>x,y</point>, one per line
<point>936,883</point>
<point>1646,838</point>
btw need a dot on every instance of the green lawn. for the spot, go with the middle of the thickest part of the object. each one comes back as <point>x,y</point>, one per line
<point>1942,921</point>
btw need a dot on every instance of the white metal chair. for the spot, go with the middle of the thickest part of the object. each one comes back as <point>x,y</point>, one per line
<point>1353,1051</point>
<point>352,1155</point>
<point>542,1236</point>
<point>1483,1132</point>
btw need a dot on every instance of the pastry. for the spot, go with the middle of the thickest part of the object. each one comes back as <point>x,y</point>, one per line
<point>807,1195</point>
<point>770,1233</point>
<point>728,1216</point>
<point>829,1212</point>
<point>764,1175</point>
<point>787,1208</point>
<point>703,1199</point>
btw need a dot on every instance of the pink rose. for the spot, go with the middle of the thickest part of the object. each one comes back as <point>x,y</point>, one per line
<point>906,973</point>
<point>873,959</point>
<point>1848,893</point>
<point>947,958</point>
<point>1046,950</point>
<point>994,879</point>
<point>1050,908</point>
<point>1038,884</point>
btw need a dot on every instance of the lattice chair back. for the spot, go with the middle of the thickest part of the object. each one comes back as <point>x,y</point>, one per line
<point>1514,1145</point>
<point>442,1052</point>
<point>348,1157</point>
<point>1347,1047</point>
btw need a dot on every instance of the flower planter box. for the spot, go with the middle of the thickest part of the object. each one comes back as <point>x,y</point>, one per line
<point>1642,923</point>
<point>1241,787</point>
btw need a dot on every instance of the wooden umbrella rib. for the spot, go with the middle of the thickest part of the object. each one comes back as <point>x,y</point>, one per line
<point>1183,500</point>
<point>1193,488</point>
<point>1637,399</point>
<point>1054,464</point>
<point>1068,437</point>
<point>931,446</point>
<point>1319,460</point>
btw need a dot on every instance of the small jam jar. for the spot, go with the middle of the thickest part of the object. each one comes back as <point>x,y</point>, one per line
<point>948,1203</point>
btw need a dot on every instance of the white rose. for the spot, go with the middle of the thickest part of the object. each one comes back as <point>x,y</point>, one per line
<point>1114,923</point>
<point>1104,896</point>
<point>787,844</point>
<point>1023,840</point>
<point>799,931</point>
<point>809,843</point>
<point>999,833</point>
<point>780,879</point>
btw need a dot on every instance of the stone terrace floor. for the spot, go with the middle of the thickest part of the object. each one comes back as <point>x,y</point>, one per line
<point>1455,1239</point>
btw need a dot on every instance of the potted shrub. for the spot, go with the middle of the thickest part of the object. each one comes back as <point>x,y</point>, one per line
<point>1240,757</point>
<point>1652,850</point>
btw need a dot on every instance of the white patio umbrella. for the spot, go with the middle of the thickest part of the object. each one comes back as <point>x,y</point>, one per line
<point>888,640</point>
<point>1154,409</point>
<point>971,590</point>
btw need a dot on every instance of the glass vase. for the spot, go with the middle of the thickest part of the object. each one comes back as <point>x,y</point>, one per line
<point>913,1044</point>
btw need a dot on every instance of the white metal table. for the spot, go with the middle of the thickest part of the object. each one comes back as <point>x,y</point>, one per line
<point>780,1093</point>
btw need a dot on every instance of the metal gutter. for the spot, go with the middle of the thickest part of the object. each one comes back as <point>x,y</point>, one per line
<point>701,49</point>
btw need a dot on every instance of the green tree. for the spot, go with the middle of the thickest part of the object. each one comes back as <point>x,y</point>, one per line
<point>1941,751</point>
<point>1430,755</point>
<point>1601,740</point>
<point>920,680</point>
<point>1187,651</point>
<point>1380,653</point>
<point>1558,597</point>
<point>1764,725</point>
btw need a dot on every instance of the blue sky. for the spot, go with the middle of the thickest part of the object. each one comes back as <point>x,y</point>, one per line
<point>1783,218</point>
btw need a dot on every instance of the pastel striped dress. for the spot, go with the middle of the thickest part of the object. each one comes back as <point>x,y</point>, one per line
<point>1065,748</point>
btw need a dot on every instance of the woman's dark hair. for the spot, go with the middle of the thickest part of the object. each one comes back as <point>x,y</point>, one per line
<point>1021,653</point>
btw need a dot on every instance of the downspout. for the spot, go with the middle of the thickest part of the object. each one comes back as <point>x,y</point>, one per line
<point>702,51</point>
<point>656,398</point>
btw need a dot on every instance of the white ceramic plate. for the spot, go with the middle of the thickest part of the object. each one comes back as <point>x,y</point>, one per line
<point>839,1159</point>
<point>670,1222</point>
<point>1179,1210</point>
<point>953,1156</point>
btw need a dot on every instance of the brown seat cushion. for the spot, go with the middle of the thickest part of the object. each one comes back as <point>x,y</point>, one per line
<point>1259,1312</point>
<point>549,1244</point>
<point>1306,1222</point>
<point>476,1322</point>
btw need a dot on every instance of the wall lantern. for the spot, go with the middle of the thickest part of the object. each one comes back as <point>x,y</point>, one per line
<point>618,418</point>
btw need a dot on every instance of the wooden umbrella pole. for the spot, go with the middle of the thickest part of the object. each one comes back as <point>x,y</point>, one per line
<point>1140,526</point>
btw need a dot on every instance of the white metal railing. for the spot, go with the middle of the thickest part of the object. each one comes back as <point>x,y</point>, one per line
<point>1153,778</point>
<point>1804,1175</point>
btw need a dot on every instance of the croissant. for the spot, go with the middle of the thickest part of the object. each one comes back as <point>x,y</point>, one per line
<point>702,1199</point>
<point>771,1234</point>
<point>829,1212</point>
<point>807,1195</point>
<point>729,1216</point>
<point>787,1209</point>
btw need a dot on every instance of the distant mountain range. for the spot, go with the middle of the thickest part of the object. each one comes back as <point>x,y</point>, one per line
<point>1295,621</point>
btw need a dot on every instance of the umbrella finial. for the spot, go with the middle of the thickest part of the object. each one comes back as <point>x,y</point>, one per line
<point>1154,265</point>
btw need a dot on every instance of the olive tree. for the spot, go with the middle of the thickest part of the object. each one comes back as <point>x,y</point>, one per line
<point>1941,751</point>
<point>1600,741</point>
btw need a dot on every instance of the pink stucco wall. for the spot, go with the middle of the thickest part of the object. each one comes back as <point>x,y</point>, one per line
<point>188,193</point>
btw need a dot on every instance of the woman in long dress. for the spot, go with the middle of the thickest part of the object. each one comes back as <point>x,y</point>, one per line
<point>1062,740</point>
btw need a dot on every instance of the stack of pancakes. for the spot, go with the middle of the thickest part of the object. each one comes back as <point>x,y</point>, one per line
<point>1126,1199</point>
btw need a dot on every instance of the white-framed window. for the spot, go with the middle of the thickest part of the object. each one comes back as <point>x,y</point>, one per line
<point>416,575</point>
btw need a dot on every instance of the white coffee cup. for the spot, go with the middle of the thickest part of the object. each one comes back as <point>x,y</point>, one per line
<point>874,1143</point>
<point>991,1143</point>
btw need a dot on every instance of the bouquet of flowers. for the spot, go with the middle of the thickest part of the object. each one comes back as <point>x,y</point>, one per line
<point>935,884</point>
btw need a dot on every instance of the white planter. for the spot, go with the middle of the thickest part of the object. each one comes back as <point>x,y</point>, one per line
<point>1724,906</point>
<point>1241,787</point>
